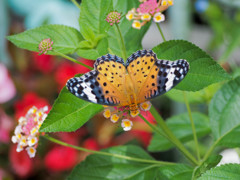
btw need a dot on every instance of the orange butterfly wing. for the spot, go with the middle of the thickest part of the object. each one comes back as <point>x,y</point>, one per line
<point>104,85</point>
<point>152,77</point>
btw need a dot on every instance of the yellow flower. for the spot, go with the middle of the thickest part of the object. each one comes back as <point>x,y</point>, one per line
<point>134,113</point>
<point>126,124</point>
<point>136,24</point>
<point>158,17</point>
<point>107,113</point>
<point>146,17</point>
<point>114,118</point>
<point>31,151</point>
<point>145,106</point>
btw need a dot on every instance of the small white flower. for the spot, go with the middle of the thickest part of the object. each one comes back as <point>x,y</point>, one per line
<point>126,124</point>
<point>145,106</point>
<point>107,113</point>
<point>22,120</point>
<point>158,17</point>
<point>18,129</point>
<point>129,16</point>
<point>44,117</point>
<point>33,110</point>
<point>45,108</point>
<point>146,17</point>
<point>23,141</point>
<point>32,141</point>
<point>114,118</point>
<point>136,24</point>
<point>19,148</point>
<point>14,139</point>
<point>134,113</point>
<point>31,151</point>
<point>34,131</point>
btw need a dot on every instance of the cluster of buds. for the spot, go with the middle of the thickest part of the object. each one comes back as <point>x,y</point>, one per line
<point>113,18</point>
<point>125,114</point>
<point>26,133</point>
<point>45,46</point>
<point>149,9</point>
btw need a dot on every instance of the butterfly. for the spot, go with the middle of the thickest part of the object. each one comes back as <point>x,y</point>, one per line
<point>114,83</point>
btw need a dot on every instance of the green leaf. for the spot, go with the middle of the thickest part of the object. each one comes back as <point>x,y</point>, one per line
<point>202,96</point>
<point>211,162</point>
<point>176,172</point>
<point>92,18</point>
<point>132,37</point>
<point>203,72</point>
<point>69,113</point>
<point>110,167</point>
<point>181,127</point>
<point>65,39</point>
<point>93,52</point>
<point>224,172</point>
<point>224,111</point>
<point>230,140</point>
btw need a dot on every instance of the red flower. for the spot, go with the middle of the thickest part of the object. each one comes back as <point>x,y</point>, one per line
<point>140,134</point>
<point>20,162</point>
<point>91,143</point>
<point>29,99</point>
<point>43,63</point>
<point>67,70</point>
<point>61,158</point>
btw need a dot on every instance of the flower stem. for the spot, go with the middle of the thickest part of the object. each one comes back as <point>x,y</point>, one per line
<point>76,4</point>
<point>106,153</point>
<point>124,52</point>
<point>193,126</point>
<point>160,30</point>
<point>171,137</point>
<point>73,60</point>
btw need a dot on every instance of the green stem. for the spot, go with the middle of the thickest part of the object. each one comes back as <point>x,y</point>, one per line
<point>73,60</point>
<point>76,3</point>
<point>160,30</point>
<point>124,52</point>
<point>106,153</point>
<point>193,126</point>
<point>172,138</point>
<point>157,130</point>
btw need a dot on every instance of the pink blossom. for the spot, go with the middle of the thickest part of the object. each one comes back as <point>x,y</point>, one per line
<point>6,125</point>
<point>7,88</point>
<point>150,6</point>
<point>113,18</point>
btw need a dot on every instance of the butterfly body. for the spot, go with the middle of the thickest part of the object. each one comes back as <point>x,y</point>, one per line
<point>115,83</point>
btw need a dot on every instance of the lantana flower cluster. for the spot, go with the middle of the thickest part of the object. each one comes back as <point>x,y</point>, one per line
<point>26,133</point>
<point>45,45</point>
<point>147,10</point>
<point>125,114</point>
<point>113,18</point>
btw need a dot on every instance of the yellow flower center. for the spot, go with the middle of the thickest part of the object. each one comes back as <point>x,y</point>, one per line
<point>158,18</point>
<point>31,150</point>
<point>127,123</point>
<point>170,2</point>
<point>145,105</point>
<point>134,113</point>
<point>130,16</point>
<point>32,141</point>
<point>164,3</point>
<point>146,16</point>
<point>137,24</point>
<point>107,113</point>
<point>114,117</point>
<point>33,131</point>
